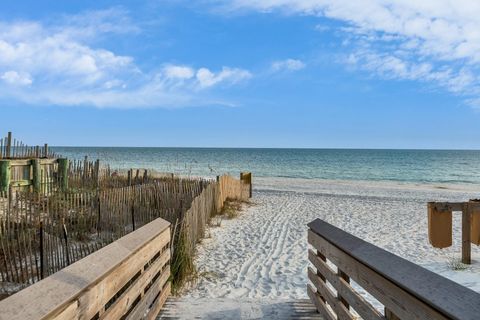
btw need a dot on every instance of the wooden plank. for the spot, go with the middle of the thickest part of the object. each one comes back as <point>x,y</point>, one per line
<point>340,310</point>
<point>142,308</point>
<point>160,302</point>
<point>5,174</point>
<point>123,303</point>
<point>362,306</point>
<point>466,234</point>
<point>390,295</point>
<point>319,303</point>
<point>91,281</point>
<point>447,297</point>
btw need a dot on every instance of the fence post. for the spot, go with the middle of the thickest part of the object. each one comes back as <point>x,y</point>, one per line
<point>65,236</point>
<point>345,277</point>
<point>45,150</point>
<point>133,207</point>
<point>63,173</point>
<point>42,256</point>
<point>466,245</point>
<point>36,175</point>
<point>8,147</point>
<point>5,175</point>
<point>97,173</point>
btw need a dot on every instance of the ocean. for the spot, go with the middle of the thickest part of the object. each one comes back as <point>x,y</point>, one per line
<point>409,166</point>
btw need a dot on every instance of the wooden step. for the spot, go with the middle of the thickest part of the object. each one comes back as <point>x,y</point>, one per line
<point>222,308</point>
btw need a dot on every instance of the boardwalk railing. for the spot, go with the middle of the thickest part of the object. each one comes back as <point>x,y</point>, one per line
<point>128,279</point>
<point>406,290</point>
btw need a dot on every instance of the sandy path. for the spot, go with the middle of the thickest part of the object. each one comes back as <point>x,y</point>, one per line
<point>262,253</point>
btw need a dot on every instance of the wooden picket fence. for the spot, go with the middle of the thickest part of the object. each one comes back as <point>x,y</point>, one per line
<point>42,233</point>
<point>11,148</point>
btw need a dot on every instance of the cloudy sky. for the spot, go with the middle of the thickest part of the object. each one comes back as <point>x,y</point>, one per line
<point>242,73</point>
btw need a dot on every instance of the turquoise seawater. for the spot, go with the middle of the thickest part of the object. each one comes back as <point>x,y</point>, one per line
<point>415,166</point>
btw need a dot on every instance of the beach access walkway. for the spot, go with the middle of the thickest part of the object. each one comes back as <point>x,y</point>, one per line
<point>219,308</point>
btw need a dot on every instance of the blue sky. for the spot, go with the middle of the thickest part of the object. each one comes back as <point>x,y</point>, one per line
<point>241,73</point>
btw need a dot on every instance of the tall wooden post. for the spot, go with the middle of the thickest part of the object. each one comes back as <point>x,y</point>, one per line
<point>466,245</point>
<point>45,150</point>
<point>5,175</point>
<point>42,255</point>
<point>36,175</point>
<point>63,173</point>
<point>130,177</point>
<point>8,150</point>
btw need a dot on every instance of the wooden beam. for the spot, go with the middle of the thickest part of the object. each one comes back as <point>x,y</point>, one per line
<point>5,175</point>
<point>408,290</point>
<point>466,234</point>
<point>36,172</point>
<point>9,145</point>
<point>63,173</point>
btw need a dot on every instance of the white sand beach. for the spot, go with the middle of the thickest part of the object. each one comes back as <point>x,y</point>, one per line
<point>262,254</point>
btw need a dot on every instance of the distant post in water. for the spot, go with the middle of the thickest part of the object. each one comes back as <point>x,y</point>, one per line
<point>36,175</point>
<point>5,174</point>
<point>63,173</point>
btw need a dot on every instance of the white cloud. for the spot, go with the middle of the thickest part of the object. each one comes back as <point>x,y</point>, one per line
<point>206,78</point>
<point>15,78</point>
<point>430,40</point>
<point>179,72</point>
<point>59,64</point>
<point>288,64</point>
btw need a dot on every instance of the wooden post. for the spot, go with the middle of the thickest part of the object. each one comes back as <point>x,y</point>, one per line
<point>42,256</point>
<point>246,177</point>
<point>8,147</point>
<point>466,245</point>
<point>36,175</point>
<point>320,275</point>
<point>97,173</point>
<point>345,277</point>
<point>130,177</point>
<point>475,221</point>
<point>45,150</point>
<point>63,173</point>
<point>5,175</point>
<point>65,237</point>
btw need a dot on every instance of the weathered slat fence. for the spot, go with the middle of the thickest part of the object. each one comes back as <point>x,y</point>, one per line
<point>41,234</point>
<point>406,290</point>
<point>128,279</point>
<point>11,148</point>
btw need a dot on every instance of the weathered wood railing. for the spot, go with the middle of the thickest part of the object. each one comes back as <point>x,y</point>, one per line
<point>406,290</point>
<point>128,279</point>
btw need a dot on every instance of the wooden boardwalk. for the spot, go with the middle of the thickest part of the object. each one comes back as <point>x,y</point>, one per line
<point>221,308</point>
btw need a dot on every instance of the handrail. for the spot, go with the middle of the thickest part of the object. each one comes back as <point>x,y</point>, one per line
<point>127,279</point>
<point>407,290</point>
